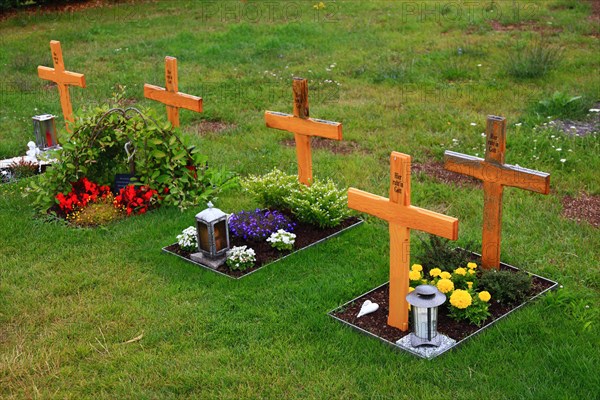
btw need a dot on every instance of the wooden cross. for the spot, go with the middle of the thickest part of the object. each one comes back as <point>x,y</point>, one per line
<point>171,96</point>
<point>495,175</point>
<point>402,217</point>
<point>62,79</point>
<point>303,128</point>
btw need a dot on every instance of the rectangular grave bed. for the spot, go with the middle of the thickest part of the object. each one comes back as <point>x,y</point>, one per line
<point>306,235</point>
<point>375,324</point>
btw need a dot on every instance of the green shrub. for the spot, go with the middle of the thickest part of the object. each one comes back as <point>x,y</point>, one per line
<point>533,61</point>
<point>22,169</point>
<point>440,253</point>
<point>321,204</point>
<point>506,287</point>
<point>161,161</point>
<point>561,105</point>
<point>272,189</point>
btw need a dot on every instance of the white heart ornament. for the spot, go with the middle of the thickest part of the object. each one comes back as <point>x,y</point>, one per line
<point>368,307</point>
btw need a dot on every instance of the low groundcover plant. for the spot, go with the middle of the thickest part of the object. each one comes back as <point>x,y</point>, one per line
<point>259,224</point>
<point>282,240</point>
<point>188,240</point>
<point>241,258</point>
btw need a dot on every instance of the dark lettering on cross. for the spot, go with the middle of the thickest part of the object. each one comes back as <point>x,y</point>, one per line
<point>303,128</point>
<point>63,80</point>
<point>170,96</point>
<point>402,217</point>
<point>495,174</point>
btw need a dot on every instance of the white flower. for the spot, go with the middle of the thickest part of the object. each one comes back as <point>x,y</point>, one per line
<point>558,149</point>
<point>562,160</point>
<point>595,110</point>
<point>473,124</point>
<point>479,65</point>
<point>482,134</point>
<point>187,240</point>
<point>519,124</point>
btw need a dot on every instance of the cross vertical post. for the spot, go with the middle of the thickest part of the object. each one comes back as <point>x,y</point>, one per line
<point>402,217</point>
<point>63,79</point>
<point>170,96</point>
<point>303,127</point>
<point>495,174</point>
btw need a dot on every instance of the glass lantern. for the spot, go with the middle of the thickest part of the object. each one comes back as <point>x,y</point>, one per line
<point>425,300</point>
<point>213,237</point>
<point>44,129</point>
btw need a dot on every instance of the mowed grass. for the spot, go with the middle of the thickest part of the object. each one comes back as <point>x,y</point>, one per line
<point>400,77</point>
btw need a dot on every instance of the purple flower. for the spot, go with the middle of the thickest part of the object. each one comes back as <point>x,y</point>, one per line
<point>259,224</point>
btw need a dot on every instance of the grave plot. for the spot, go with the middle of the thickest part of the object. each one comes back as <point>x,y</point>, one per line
<point>298,211</point>
<point>120,162</point>
<point>475,298</point>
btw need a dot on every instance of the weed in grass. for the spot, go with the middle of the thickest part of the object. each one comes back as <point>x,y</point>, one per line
<point>533,61</point>
<point>562,105</point>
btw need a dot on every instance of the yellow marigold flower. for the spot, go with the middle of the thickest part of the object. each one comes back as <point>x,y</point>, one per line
<point>471,265</point>
<point>416,267</point>
<point>445,285</point>
<point>435,272</point>
<point>414,275</point>
<point>460,271</point>
<point>461,299</point>
<point>485,296</point>
<point>410,289</point>
<point>445,275</point>
<point>471,272</point>
<point>470,285</point>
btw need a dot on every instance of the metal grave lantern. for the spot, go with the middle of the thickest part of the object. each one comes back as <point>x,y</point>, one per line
<point>44,129</point>
<point>213,237</point>
<point>425,300</point>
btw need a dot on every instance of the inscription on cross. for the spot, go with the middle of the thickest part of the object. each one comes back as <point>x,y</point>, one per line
<point>402,217</point>
<point>170,96</point>
<point>303,128</point>
<point>62,79</point>
<point>495,175</point>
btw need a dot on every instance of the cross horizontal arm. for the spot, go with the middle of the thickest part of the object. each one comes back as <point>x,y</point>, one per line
<point>65,77</point>
<point>308,127</point>
<point>406,216</point>
<point>180,100</point>
<point>505,174</point>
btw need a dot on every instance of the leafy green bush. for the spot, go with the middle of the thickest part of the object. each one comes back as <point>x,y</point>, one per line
<point>507,287</point>
<point>160,159</point>
<point>533,61</point>
<point>561,105</point>
<point>272,189</point>
<point>22,169</point>
<point>321,204</point>
<point>440,253</point>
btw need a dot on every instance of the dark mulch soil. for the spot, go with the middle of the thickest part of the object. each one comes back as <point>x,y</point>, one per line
<point>583,208</point>
<point>205,127</point>
<point>376,323</point>
<point>334,146</point>
<point>436,170</point>
<point>306,234</point>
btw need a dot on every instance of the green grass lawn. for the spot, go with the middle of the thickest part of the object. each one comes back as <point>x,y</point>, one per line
<point>404,76</point>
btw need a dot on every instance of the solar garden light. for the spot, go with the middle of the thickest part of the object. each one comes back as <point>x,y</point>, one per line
<point>44,129</point>
<point>425,300</point>
<point>213,237</point>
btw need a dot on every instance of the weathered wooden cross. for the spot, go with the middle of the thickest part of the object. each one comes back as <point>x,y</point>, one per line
<point>170,96</point>
<point>402,217</point>
<point>495,175</point>
<point>303,128</point>
<point>62,79</point>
